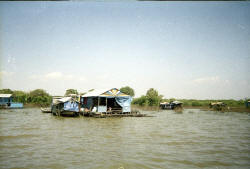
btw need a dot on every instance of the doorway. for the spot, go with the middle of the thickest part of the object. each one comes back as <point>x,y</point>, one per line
<point>115,107</point>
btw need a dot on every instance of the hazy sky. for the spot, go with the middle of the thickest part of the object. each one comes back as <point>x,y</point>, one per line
<point>183,49</point>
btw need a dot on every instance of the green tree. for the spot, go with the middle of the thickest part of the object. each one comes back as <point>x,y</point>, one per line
<point>172,99</point>
<point>20,96</point>
<point>128,90</point>
<point>6,91</point>
<point>38,92</point>
<point>142,101</point>
<point>70,91</point>
<point>39,96</point>
<point>153,97</point>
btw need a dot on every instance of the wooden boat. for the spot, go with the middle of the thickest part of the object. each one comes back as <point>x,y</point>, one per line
<point>46,110</point>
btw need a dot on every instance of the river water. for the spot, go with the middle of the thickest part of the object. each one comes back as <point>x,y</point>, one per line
<point>192,139</point>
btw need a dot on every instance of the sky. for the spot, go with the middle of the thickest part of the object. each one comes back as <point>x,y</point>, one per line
<point>198,50</point>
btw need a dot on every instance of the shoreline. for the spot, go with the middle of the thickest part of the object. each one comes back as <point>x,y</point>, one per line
<point>156,108</point>
<point>204,108</point>
<point>226,109</point>
<point>29,105</point>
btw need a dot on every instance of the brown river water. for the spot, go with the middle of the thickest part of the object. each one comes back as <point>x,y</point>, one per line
<point>192,139</point>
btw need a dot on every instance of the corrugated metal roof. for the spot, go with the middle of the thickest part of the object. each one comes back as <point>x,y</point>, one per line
<point>5,95</point>
<point>177,102</point>
<point>96,92</point>
<point>57,100</point>
<point>65,99</point>
<point>103,92</point>
<point>164,103</point>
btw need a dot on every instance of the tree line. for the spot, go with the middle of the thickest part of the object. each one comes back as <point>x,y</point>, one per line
<point>151,98</point>
<point>36,97</point>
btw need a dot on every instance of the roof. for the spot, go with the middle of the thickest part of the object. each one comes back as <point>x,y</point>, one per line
<point>164,103</point>
<point>217,103</point>
<point>114,92</point>
<point>57,100</point>
<point>5,95</point>
<point>177,102</point>
<point>64,99</point>
<point>72,95</point>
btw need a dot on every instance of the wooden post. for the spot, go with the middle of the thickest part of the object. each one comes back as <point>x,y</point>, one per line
<point>98,104</point>
<point>79,105</point>
<point>106,104</point>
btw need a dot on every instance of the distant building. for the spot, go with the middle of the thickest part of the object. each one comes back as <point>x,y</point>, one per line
<point>6,101</point>
<point>217,106</point>
<point>171,105</point>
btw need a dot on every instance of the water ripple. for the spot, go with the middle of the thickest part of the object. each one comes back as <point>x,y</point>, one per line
<point>192,139</point>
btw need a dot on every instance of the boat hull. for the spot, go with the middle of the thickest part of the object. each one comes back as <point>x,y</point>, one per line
<point>46,110</point>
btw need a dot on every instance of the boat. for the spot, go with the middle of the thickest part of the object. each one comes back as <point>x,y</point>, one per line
<point>171,106</point>
<point>46,110</point>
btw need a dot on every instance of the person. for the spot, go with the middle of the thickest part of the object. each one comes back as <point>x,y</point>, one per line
<point>109,110</point>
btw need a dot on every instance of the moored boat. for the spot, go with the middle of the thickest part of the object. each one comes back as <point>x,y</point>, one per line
<point>46,110</point>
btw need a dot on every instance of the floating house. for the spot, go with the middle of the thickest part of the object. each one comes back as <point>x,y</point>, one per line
<point>217,106</point>
<point>171,105</point>
<point>6,101</point>
<point>111,101</point>
<point>65,106</point>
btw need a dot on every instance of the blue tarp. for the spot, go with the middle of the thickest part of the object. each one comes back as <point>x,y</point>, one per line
<point>16,105</point>
<point>124,102</point>
<point>71,106</point>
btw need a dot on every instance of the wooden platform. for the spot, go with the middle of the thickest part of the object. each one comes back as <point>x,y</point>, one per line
<point>104,115</point>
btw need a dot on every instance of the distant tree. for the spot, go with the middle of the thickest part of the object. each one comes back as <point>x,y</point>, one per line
<point>128,90</point>
<point>39,96</point>
<point>172,99</point>
<point>38,92</point>
<point>70,91</point>
<point>153,97</point>
<point>6,91</point>
<point>91,90</point>
<point>142,101</point>
<point>20,96</point>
